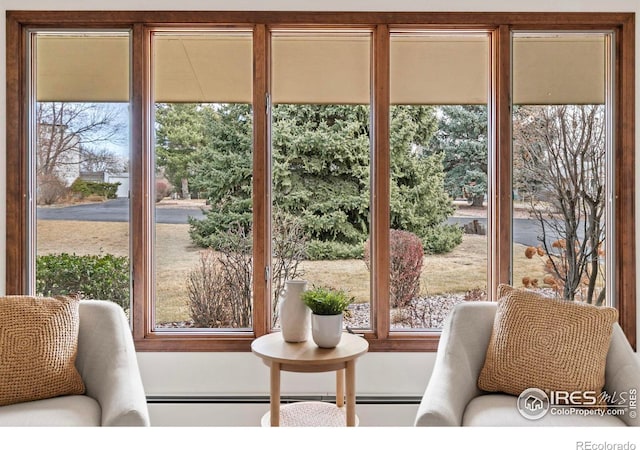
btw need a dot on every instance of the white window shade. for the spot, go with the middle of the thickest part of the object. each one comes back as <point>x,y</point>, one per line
<point>550,70</point>
<point>317,68</point>
<point>439,69</point>
<point>321,68</point>
<point>82,68</point>
<point>206,68</point>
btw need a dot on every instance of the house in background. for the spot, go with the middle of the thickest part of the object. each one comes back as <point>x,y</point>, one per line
<point>107,177</point>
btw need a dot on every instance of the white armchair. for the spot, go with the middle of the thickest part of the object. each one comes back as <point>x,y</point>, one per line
<point>106,361</point>
<point>452,397</point>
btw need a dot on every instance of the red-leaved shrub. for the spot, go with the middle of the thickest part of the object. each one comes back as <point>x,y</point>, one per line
<point>406,257</point>
<point>163,189</point>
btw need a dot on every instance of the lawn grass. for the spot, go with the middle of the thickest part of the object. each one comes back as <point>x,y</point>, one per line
<point>461,270</point>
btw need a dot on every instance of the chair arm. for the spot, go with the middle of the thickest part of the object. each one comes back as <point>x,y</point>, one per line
<point>107,363</point>
<point>622,373</point>
<point>461,353</point>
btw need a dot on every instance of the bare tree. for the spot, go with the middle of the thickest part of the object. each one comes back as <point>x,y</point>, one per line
<point>101,160</point>
<point>208,297</point>
<point>560,155</point>
<point>288,249</point>
<point>64,130</point>
<point>220,287</point>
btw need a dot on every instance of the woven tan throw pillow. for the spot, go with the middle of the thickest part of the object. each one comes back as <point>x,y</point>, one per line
<point>38,347</point>
<point>544,343</point>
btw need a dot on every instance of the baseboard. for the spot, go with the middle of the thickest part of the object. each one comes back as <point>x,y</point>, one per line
<point>259,399</point>
<point>248,410</point>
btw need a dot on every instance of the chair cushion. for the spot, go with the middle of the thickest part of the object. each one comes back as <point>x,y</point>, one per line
<point>544,343</point>
<point>500,410</point>
<point>38,347</point>
<point>70,410</point>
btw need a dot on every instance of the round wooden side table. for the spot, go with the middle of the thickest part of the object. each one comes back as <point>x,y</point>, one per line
<point>308,357</point>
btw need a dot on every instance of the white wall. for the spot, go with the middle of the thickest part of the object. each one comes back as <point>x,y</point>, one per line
<point>242,373</point>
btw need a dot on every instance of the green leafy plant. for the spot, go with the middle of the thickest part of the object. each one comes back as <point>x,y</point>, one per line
<point>99,277</point>
<point>88,188</point>
<point>326,301</point>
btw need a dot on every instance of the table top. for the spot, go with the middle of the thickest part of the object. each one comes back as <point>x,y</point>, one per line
<point>271,347</point>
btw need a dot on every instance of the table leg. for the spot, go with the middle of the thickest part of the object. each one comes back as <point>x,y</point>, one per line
<point>340,388</point>
<point>275,394</point>
<point>351,393</point>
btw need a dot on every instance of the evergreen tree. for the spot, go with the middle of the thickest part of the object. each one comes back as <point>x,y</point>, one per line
<point>320,170</point>
<point>180,135</point>
<point>462,140</point>
<point>222,173</point>
<point>418,199</point>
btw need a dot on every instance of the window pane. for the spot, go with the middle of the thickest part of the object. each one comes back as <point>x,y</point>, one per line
<point>439,162</point>
<point>560,164</point>
<point>320,159</point>
<point>203,179</point>
<point>81,160</point>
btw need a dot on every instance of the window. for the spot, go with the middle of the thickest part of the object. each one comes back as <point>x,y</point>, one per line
<point>79,158</point>
<point>307,146</point>
<point>203,179</point>
<point>320,152</point>
<point>439,171</point>
<point>562,156</point>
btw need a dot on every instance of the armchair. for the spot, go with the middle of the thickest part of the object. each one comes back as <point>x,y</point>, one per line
<point>452,397</point>
<point>106,361</point>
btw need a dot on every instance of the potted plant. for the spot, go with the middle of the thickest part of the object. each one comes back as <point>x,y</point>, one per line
<point>327,306</point>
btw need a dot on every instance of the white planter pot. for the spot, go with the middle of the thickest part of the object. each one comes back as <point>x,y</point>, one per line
<point>326,330</point>
<point>295,316</point>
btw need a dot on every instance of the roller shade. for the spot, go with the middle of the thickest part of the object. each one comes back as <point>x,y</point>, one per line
<point>203,68</point>
<point>439,70</point>
<point>559,69</point>
<point>321,69</point>
<point>82,68</point>
<point>317,68</point>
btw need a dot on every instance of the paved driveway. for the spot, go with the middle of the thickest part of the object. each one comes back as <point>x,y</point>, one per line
<point>525,231</point>
<point>116,210</point>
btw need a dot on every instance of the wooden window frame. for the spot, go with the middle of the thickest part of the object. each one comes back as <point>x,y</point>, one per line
<point>380,337</point>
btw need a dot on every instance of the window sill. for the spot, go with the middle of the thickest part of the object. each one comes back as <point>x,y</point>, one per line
<point>181,342</point>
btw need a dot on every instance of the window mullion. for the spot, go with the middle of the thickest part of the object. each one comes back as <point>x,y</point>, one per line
<point>261,183</point>
<point>380,196</point>
<point>500,162</point>
<point>141,219</point>
<point>18,229</point>
<point>624,212</point>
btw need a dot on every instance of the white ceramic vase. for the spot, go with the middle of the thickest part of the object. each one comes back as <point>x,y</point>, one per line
<point>295,316</point>
<point>326,330</point>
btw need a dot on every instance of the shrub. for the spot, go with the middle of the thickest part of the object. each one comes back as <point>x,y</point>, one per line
<point>90,188</point>
<point>442,238</point>
<point>211,294</point>
<point>330,250</point>
<point>220,286</point>
<point>406,258</point>
<point>289,249</point>
<point>50,189</point>
<point>100,277</point>
<point>163,189</point>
